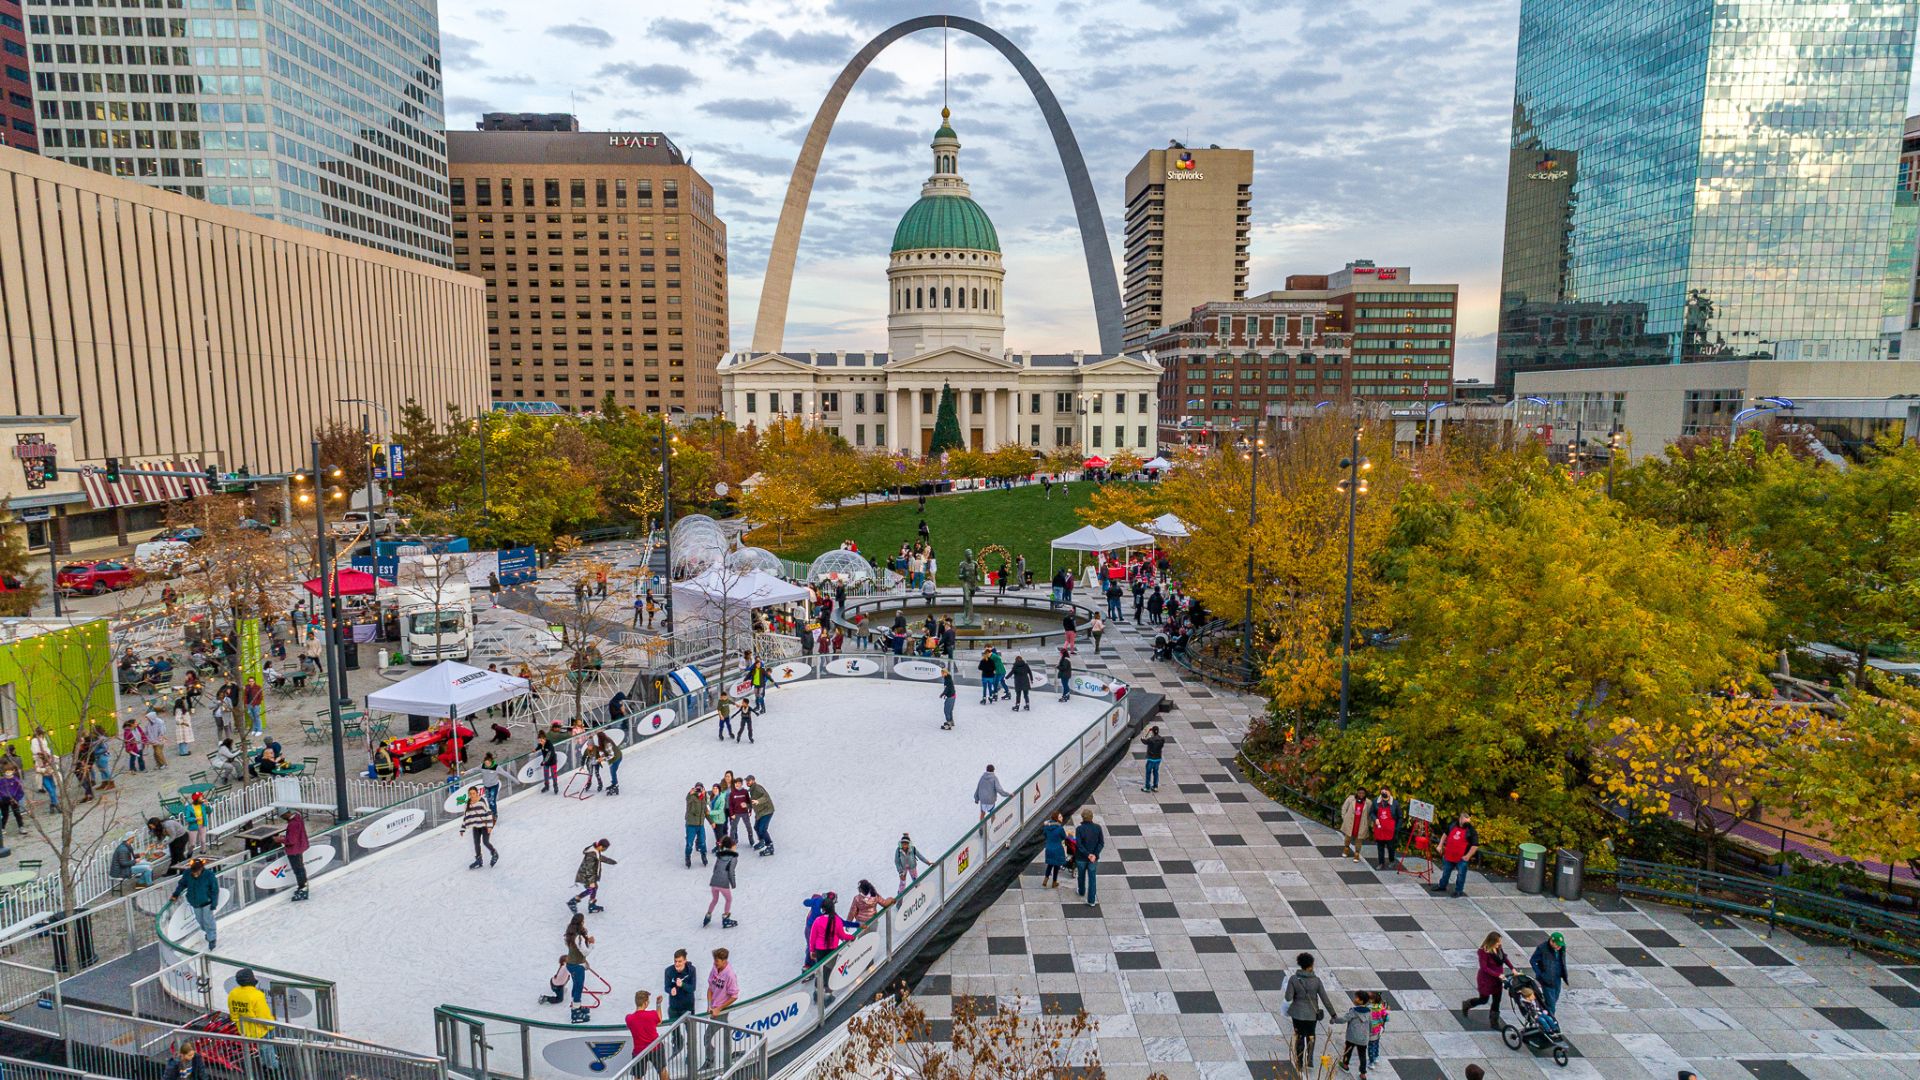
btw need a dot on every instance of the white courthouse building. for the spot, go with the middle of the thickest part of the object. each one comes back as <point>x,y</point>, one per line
<point>946,326</point>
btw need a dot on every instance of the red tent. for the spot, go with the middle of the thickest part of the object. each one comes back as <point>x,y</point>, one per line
<point>1095,462</point>
<point>349,583</point>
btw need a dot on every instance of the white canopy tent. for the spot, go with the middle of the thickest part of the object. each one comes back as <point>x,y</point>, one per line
<point>449,689</point>
<point>1117,535</point>
<point>1167,525</point>
<point>721,593</point>
<point>1087,538</point>
<point>1158,464</point>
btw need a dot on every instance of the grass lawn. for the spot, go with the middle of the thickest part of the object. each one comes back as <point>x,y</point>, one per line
<point>1022,520</point>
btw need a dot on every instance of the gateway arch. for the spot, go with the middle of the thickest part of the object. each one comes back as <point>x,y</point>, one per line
<point>769,327</point>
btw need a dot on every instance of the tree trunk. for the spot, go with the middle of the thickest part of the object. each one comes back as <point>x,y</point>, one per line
<point>1860,663</point>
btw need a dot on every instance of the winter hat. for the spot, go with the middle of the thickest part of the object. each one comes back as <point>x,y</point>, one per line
<point>246,977</point>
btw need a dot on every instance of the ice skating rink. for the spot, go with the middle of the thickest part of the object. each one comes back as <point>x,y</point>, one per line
<point>850,764</point>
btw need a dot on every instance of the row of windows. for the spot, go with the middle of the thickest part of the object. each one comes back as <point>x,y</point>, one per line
<point>549,190</point>
<point>1063,401</point>
<point>943,297</point>
<point>1404,297</point>
<point>133,26</point>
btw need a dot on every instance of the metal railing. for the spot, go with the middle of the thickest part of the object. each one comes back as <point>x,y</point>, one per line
<point>1777,905</point>
<point>43,896</point>
<point>1199,659</point>
<point>491,1046</point>
<point>797,1008</point>
<point>983,598</point>
<point>17,1069</point>
<point>133,1048</point>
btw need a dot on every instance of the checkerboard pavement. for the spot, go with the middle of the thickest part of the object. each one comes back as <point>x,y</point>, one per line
<point>1208,889</point>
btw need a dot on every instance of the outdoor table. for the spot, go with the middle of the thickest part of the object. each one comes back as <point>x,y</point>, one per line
<point>261,839</point>
<point>15,878</point>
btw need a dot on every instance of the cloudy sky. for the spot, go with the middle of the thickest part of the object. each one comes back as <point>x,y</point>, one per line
<point>1379,130</point>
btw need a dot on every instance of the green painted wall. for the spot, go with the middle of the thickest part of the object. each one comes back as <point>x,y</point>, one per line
<point>58,676</point>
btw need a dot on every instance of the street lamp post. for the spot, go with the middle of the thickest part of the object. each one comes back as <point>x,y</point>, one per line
<point>336,678</point>
<point>1354,487</point>
<point>1252,448</point>
<point>1613,451</point>
<point>666,508</point>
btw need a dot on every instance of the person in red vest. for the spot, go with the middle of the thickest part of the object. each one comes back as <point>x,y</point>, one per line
<point>1386,828</point>
<point>1457,848</point>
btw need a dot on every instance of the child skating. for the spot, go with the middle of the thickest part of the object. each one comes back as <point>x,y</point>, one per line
<point>480,818</point>
<point>591,859</point>
<point>722,882</point>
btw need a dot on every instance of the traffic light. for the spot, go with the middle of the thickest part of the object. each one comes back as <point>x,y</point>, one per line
<point>113,470</point>
<point>213,476</point>
<point>50,468</point>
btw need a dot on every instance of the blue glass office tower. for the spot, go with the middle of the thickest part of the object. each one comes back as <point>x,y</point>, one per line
<point>1700,181</point>
<point>323,113</point>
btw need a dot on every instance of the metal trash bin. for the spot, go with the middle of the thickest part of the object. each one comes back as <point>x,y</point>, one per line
<point>72,941</point>
<point>1533,868</point>
<point>1569,874</point>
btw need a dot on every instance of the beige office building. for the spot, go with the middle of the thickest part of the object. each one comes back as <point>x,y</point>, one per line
<point>1188,212</point>
<point>161,330</point>
<point>606,267</point>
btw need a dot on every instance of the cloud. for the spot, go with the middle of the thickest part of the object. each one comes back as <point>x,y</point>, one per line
<point>889,12</point>
<point>460,52</point>
<point>750,109</point>
<point>869,136</point>
<point>799,47</point>
<point>460,104</point>
<point>682,31</point>
<point>665,78</point>
<point>581,33</point>
<point>736,158</point>
<point>518,79</point>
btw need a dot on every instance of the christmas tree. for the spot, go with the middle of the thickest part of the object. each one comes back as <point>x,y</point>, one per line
<point>946,425</point>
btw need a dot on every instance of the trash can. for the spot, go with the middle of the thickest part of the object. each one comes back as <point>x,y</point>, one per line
<point>350,655</point>
<point>1569,874</point>
<point>77,936</point>
<point>1533,868</point>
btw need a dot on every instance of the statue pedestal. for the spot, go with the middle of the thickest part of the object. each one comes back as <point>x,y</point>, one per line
<point>970,622</point>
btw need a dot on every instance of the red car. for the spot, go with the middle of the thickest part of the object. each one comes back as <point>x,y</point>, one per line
<point>93,577</point>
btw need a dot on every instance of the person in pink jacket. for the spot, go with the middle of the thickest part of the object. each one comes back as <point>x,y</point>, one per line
<point>826,933</point>
<point>1494,966</point>
<point>294,845</point>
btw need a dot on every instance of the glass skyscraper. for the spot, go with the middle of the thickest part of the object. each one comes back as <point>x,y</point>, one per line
<point>323,113</point>
<point>1702,180</point>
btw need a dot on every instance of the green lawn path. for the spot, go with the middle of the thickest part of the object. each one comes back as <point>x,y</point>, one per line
<point>1022,520</point>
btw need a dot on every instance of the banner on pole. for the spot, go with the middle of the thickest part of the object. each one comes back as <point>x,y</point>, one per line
<point>251,663</point>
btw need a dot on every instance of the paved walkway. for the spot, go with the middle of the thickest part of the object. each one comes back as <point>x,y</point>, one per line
<point>1209,889</point>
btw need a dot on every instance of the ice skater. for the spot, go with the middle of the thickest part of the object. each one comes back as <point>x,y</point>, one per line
<point>987,792</point>
<point>725,717</point>
<point>591,759</point>
<point>549,763</point>
<point>762,816</point>
<point>579,943</point>
<point>743,723</point>
<point>1022,684</point>
<point>739,811</point>
<point>947,694</point>
<point>1066,675</point>
<point>697,823</point>
<point>592,858</point>
<point>481,819</point>
<point>1155,743</point>
<point>721,883</point>
<point>907,860</point>
<point>989,688</point>
<point>826,932</point>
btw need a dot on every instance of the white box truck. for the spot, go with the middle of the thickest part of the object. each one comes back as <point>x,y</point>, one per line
<point>435,609</point>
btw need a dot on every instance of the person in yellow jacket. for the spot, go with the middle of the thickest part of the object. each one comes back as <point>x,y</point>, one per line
<point>252,1015</point>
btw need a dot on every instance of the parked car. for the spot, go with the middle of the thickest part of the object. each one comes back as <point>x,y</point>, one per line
<point>186,534</point>
<point>93,577</point>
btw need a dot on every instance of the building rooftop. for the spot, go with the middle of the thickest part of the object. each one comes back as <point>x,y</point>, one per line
<point>879,359</point>
<point>503,147</point>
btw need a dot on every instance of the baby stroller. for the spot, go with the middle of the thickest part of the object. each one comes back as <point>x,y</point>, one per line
<point>1537,1029</point>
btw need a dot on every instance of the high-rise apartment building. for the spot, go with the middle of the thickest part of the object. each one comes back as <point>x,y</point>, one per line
<point>1363,333</point>
<point>17,128</point>
<point>1700,206</point>
<point>1188,212</point>
<point>606,267</point>
<point>325,114</point>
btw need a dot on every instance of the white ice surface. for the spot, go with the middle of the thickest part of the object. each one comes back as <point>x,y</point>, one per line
<point>850,763</point>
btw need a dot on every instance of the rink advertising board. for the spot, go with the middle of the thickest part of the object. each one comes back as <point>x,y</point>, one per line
<point>1001,824</point>
<point>852,666</point>
<point>782,1018</point>
<point>788,670</point>
<point>921,670</point>
<point>657,720</point>
<point>589,1055</point>
<point>278,874</point>
<point>1091,742</point>
<point>912,908</point>
<point>965,858</point>
<point>854,960</point>
<point>1037,792</point>
<point>388,828</point>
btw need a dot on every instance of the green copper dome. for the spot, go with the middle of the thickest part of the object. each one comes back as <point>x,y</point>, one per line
<point>946,221</point>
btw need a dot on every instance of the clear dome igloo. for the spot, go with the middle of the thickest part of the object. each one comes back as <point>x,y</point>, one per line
<point>753,558</point>
<point>841,565</point>
<point>698,549</point>
<point>691,523</point>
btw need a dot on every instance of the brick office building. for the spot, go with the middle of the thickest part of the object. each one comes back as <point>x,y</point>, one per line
<point>1366,332</point>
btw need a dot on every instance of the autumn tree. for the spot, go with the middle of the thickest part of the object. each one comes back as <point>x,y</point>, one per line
<point>782,501</point>
<point>1860,782</point>
<point>1009,462</point>
<point>429,450</point>
<point>1126,502</point>
<point>15,566</point>
<point>894,1037</point>
<point>1726,757</point>
<point>1531,616</point>
<point>240,574</point>
<point>1839,546</point>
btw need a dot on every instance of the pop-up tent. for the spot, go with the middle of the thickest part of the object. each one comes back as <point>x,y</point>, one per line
<point>1158,464</point>
<point>1113,537</point>
<point>1117,535</point>
<point>721,593</point>
<point>1167,525</point>
<point>348,583</point>
<point>448,689</point>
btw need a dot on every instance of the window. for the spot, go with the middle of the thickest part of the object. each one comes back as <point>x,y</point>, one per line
<point>1119,437</point>
<point>1035,410</point>
<point>752,402</point>
<point>879,434</point>
<point>829,401</point>
<point>1062,402</point>
<point>859,434</point>
<point>860,403</point>
<point>798,402</point>
<point>1035,439</point>
<point>1140,437</point>
<point>1119,405</point>
<point>1096,436</point>
<point>926,403</point>
<point>976,402</point>
<point>1143,401</point>
<point>1063,436</point>
<point>1098,401</point>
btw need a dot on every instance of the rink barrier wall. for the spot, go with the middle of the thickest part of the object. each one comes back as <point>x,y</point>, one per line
<point>796,1011</point>
<point>785,1014</point>
<point>1040,604</point>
